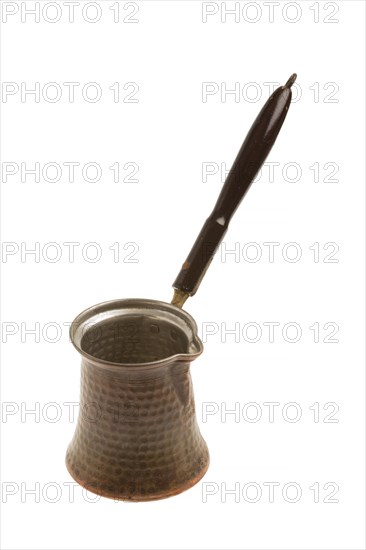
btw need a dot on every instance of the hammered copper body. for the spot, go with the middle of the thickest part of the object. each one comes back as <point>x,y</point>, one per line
<point>137,436</point>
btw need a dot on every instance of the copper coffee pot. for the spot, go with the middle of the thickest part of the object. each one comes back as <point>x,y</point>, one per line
<point>137,436</point>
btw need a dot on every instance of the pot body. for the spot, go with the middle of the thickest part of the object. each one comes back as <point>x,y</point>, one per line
<point>137,436</point>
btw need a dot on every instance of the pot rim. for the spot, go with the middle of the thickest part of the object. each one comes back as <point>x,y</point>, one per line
<point>114,308</point>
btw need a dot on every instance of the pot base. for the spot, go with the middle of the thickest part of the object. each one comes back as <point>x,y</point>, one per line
<point>138,498</point>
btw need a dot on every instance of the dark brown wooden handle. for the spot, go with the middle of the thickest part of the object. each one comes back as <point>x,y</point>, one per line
<point>249,160</point>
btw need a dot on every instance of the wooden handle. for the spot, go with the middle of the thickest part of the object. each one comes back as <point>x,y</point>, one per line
<point>248,162</point>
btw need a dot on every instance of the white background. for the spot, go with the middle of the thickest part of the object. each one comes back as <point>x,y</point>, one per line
<point>169,132</point>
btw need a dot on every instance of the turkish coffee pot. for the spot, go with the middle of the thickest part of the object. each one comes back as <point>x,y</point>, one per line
<point>137,437</point>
